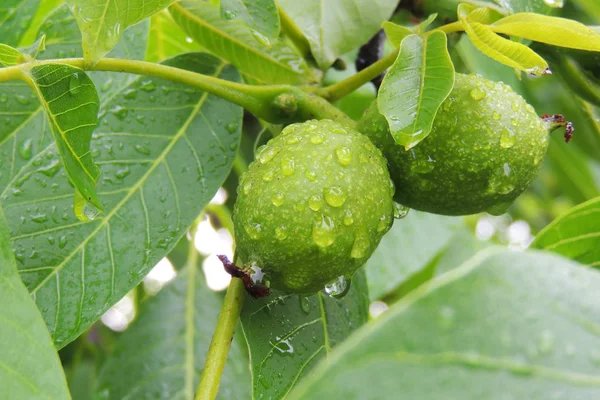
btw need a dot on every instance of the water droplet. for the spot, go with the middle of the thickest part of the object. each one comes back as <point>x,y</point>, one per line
<point>25,149</point>
<point>75,83</point>
<point>338,287</point>
<point>384,224</point>
<point>84,211</point>
<point>229,14</point>
<point>231,127</point>
<point>130,94</point>
<point>361,245</point>
<point>22,99</point>
<point>262,39</point>
<point>348,218</point>
<point>317,138</point>
<point>3,98</point>
<point>287,166</point>
<point>107,85</point>
<point>253,229</point>
<point>267,153</point>
<point>339,131</point>
<point>148,86</point>
<point>305,304</point>
<point>400,211</point>
<point>122,173</point>
<point>323,235</point>
<point>140,148</point>
<point>277,199</point>
<point>283,345</point>
<point>39,217</point>
<point>496,115</point>
<point>315,202</point>
<point>268,176</point>
<point>247,186</point>
<point>447,316</point>
<point>120,112</point>
<point>335,196</point>
<point>546,342</point>
<point>344,155</point>
<point>515,106</point>
<point>311,175</point>
<point>292,139</point>
<point>537,158</point>
<point>477,93</point>
<point>507,138</point>
<point>555,3</point>
<point>281,232</point>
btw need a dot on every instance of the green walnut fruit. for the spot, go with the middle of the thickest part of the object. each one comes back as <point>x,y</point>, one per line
<point>313,206</point>
<point>486,147</point>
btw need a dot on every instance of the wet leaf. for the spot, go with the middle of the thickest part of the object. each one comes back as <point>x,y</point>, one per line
<point>415,86</point>
<point>575,235</point>
<point>15,18</point>
<point>170,339</point>
<point>260,15</point>
<point>407,249</point>
<point>256,56</point>
<point>461,328</point>
<point>10,56</point>
<point>297,332</point>
<point>551,30</point>
<point>102,22</point>
<point>167,39</point>
<point>334,27</point>
<point>161,161</point>
<point>30,366</point>
<point>395,32</point>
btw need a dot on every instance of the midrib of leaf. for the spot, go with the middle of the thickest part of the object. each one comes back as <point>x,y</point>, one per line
<point>421,82</point>
<point>488,363</point>
<point>132,190</point>
<point>101,24</point>
<point>324,322</point>
<point>249,49</point>
<point>52,117</point>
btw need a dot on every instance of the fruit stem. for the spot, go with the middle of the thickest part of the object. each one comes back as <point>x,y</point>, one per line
<point>291,30</point>
<point>350,84</point>
<point>216,358</point>
<point>556,121</point>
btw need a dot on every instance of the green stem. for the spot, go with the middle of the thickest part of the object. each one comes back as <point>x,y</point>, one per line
<point>349,85</point>
<point>291,30</point>
<point>274,103</point>
<point>210,379</point>
<point>450,28</point>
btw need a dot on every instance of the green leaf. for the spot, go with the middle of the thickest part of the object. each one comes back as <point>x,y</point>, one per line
<point>520,325</point>
<point>396,33</point>
<point>407,249</point>
<point>163,150</point>
<point>257,57</point>
<point>30,367</point>
<point>10,56</point>
<point>167,39</point>
<point>513,54</point>
<point>70,101</point>
<point>589,7</point>
<point>483,15</point>
<point>551,30</point>
<point>161,355</point>
<point>15,17</point>
<point>297,332</point>
<point>102,22</point>
<point>422,27</point>
<point>31,52</point>
<point>415,86</point>
<point>575,235</point>
<point>334,27</point>
<point>259,15</point>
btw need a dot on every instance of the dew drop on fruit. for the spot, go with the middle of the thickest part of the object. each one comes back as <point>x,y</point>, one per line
<point>361,245</point>
<point>246,187</point>
<point>315,202</point>
<point>400,211</point>
<point>277,199</point>
<point>515,106</point>
<point>422,166</point>
<point>496,115</point>
<point>317,138</point>
<point>348,218</point>
<point>268,176</point>
<point>287,166</point>
<point>310,175</point>
<point>507,138</point>
<point>335,196</point>
<point>253,230</point>
<point>267,153</point>
<point>281,232</point>
<point>292,139</point>
<point>305,304</point>
<point>338,287</point>
<point>323,235</point>
<point>477,93</point>
<point>384,223</point>
<point>339,131</point>
<point>343,155</point>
